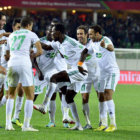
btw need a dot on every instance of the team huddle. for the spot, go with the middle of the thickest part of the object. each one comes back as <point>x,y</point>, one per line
<point>63,65</point>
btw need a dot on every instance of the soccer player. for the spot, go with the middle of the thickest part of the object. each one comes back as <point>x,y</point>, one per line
<point>4,60</point>
<point>93,72</point>
<point>109,76</point>
<point>20,70</point>
<point>3,36</point>
<point>71,50</point>
<point>49,64</point>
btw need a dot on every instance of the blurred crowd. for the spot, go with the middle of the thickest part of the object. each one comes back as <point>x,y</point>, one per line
<point>123,32</point>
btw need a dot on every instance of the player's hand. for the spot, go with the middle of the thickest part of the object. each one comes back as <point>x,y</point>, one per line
<point>6,34</point>
<point>2,70</point>
<point>81,70</point>
<point>102,44</point>
<point>3,41</point>
<point>41,76</point>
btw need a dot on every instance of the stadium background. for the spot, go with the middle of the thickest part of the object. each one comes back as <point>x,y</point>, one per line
<point>120,21</point>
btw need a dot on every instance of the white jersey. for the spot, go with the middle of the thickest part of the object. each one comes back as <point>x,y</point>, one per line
<point>50,59</point>
<point>2,45</point>
<point>71,50</point>
<point>106,59</point>
<point>3,52</point>
<point>91,61</point>
<point>46,60</point>
<point>19,43</point>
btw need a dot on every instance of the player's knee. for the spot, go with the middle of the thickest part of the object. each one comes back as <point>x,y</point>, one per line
<point>85,98</point>
<point>108,97</point>
<point>108,94</point>
<point>53,79</point>
<point>53,97</point>
<point>35,97</point>
<point>101,97</point>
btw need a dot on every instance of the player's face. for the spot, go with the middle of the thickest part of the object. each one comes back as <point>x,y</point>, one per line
<point>81,36</point>
<point>2,22</point>
<point>16,27</point>
<point>91,34</point>
<point>55,34</point>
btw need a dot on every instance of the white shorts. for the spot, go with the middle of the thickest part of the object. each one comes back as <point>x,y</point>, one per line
<point>93,77</point>
<point>20,74</point>
<point>87,84</point>
<point>108,81</point>
<point>75,76</point>
<point>39,85</point>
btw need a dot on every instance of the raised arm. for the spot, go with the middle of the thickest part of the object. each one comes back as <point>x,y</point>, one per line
<point>84,54</point>
<point>109,47</point>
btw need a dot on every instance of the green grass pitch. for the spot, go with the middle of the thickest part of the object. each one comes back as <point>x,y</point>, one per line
<point>127,101</point>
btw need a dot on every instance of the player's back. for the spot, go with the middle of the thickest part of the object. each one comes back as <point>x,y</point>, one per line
<point>19,43</point>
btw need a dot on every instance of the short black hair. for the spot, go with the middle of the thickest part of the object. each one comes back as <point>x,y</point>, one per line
<point>55,20</point>
<point>96,28</point>
<point>83,27</point>
<point>1,14</point>
<point>25,21</point>
<point>60,27</point>
<point>15,21</point>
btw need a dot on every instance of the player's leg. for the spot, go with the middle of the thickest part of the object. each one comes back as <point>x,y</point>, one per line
<point>85,89</point>
<point>18,105</point>
<point>65,108</point>
<point>28,108</point>
<point>69,98</point>
<point>102,105</point>
<point>52,110</point>
<point>110,88</point>
<point>13,79</point>
<point>111,110</point>
<point>3,97</point>
<point>56,78</point>
<point>9,107</point>
<point>26,79</point>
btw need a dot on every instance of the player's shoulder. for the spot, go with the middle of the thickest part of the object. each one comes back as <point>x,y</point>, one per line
<point>106,39</point>
<point>73,42</point>
<point>44,38</point>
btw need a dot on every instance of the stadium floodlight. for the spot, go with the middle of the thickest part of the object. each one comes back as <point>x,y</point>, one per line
<point>9,7</point>
<point>1,9</point>
<point>104,15</point>
<point>5,8</point>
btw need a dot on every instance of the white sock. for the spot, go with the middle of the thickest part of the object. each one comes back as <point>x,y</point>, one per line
<point>28,110</point>
<point>62,109</point>
<point>3,101</point>
<point>103,113</point>
<point>52,109</point>
<point>9,109</point>
<point>99,113</point>
<point>86,112</point>
<point>18,106</point>
<point>51,90</point>
<point>65,107</point>
<point>111,112</point>
<point>74,113</point>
